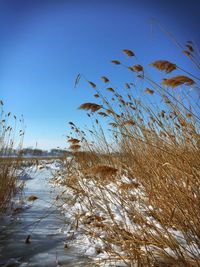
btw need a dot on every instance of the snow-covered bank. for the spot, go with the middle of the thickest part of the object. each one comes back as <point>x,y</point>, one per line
<point>111,221</point>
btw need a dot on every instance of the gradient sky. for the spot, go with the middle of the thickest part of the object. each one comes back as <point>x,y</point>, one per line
<point>44,44</point>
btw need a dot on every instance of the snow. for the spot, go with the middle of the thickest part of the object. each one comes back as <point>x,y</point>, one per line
<point>80,217</point>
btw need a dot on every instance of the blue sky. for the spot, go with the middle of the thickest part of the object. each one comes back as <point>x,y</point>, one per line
<point>44,44</point>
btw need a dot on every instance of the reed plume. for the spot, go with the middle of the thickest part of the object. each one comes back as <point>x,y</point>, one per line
<point>164,65</point>
<point>105,79</point>
<point>178,80</point>
<point>129,53</point>
<point>90,106</point>
<point>136,68</point>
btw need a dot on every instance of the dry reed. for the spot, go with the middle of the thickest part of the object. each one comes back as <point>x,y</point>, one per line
<point>156,188</point>
<point>8,168</point>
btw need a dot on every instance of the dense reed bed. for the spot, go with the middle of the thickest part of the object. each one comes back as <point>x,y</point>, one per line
<point>136,173</point>
<point>8,169</point>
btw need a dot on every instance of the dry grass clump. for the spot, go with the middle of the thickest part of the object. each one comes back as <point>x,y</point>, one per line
<point>151,209</point>
<point>8,177</point>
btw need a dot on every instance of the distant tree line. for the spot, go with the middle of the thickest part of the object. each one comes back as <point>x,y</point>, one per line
<point>40,152</point>
<point>35,152</point>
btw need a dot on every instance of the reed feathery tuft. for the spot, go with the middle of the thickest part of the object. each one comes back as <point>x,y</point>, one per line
<point>136,68</point>
<point>149,91</point>
<point>116,62</point>
<point>90,106</point>
<point>129,52</point>
<point>105,79</point>
<point>178,80</point>
<point>164,65</point>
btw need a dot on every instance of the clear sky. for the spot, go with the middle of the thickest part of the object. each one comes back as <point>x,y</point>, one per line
<point>44,44</point>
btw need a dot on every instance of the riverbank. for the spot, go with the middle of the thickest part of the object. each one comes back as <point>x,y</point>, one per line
<point>112,216</point>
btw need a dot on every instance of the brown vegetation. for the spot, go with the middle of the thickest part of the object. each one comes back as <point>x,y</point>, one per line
<point>154,158</point>
<point>8,166</point>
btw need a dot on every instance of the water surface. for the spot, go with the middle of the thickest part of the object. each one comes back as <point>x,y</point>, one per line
<point>44,222</point>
